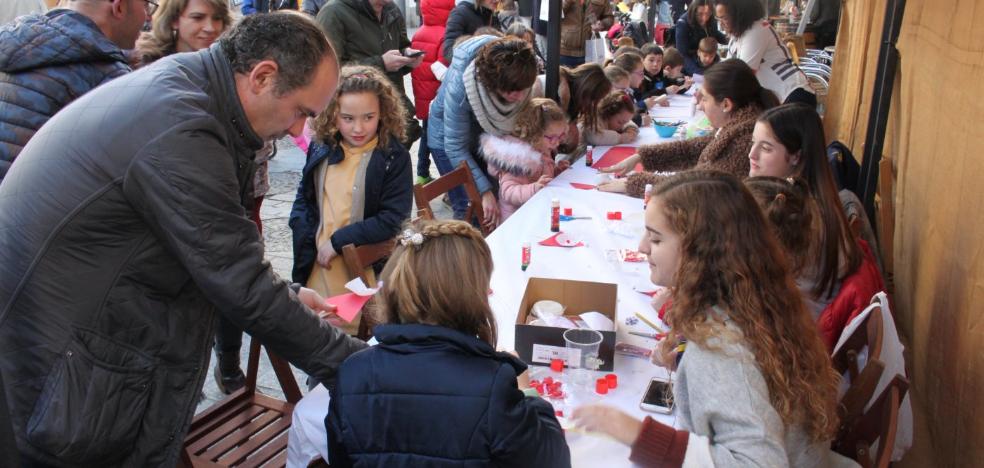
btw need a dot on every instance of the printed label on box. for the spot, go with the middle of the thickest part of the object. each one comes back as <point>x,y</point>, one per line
<point>543,354</point>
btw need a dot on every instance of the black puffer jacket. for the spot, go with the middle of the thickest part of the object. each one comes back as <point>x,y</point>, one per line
<point>464,20</point>
<point>122,236</point>
<point>47,61</point>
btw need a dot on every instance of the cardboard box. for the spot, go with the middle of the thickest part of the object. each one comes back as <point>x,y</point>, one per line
<point>578,297</point>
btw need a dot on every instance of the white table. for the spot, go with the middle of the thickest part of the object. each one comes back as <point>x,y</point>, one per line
<point>531,223</point>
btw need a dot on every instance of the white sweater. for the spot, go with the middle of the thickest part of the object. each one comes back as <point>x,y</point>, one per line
<point>761,48</point>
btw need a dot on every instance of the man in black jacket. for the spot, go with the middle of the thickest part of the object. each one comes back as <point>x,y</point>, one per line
<point>123,235</point>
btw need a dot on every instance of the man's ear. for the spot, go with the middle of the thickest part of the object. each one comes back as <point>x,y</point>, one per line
<point>118,8</point>
<point>263,76</point>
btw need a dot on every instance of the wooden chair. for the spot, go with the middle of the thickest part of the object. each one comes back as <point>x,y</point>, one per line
<point>886,220</point>
<point>878,424</point>
<point>247,428</point>
<point>357,260</point>
<point>863,380</point>
<point>423,194</point>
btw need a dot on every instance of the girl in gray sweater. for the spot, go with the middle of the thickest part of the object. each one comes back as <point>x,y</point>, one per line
<point>755,386</point>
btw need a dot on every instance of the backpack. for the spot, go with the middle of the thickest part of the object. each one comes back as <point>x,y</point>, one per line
<point>843,166</point>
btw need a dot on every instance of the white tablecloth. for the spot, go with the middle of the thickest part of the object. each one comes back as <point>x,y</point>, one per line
<point>531,223</point>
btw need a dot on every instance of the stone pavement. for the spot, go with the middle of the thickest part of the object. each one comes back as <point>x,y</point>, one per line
<point>285,174</point>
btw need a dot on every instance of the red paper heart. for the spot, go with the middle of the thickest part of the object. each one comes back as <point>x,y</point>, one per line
<point>348,305</point>
<point>583,186</point>
<point>616,155</point>
<point>552,242</point>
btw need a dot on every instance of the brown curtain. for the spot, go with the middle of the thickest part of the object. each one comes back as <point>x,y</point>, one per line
<point>936,143</point>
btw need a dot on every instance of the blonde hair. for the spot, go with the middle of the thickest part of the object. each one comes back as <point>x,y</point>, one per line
<point>534,119</point>
<point>364,79</point>
<point>162,40</point>
<point>443,280</point>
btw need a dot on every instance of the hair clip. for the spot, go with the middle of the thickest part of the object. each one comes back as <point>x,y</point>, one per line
<point>359,75</point>
<point>791,180</point>
<point>410,237</point>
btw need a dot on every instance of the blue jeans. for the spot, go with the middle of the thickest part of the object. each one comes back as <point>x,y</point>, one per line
<point>459,199</point>
<point>571,62</point>
<point>423,153</point>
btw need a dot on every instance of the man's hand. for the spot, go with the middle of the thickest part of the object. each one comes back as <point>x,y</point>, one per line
<point>326,252</point>
<point>315,302</point>
<point>393,60</point>
<point>597,26</point>
<point>490,207</point>
<point>414,61</point>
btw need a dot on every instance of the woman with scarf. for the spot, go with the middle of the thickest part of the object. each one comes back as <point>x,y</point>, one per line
<point>486,86</point>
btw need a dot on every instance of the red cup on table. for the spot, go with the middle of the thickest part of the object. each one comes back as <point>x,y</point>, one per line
<point>568,211</point>
<point>612,380</point>
<point>601,386</point>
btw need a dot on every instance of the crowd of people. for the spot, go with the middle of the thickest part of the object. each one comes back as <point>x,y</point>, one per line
<point>133,169</point>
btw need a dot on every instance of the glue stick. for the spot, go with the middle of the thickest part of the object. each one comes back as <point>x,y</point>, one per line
<point>555,215</point>
<point>526,255</point>
<point>589,156</point>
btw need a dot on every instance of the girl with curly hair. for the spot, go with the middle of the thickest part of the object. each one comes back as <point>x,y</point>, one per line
<point>356,187</point>
<point>523,161</point>
<point>615,126</point>
<point>755,385</point>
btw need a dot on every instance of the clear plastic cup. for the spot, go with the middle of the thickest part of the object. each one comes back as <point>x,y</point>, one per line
<point>582,353</point>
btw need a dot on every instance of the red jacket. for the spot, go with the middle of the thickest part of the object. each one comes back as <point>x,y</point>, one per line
<point>428,39</point>
<point>854,295</point>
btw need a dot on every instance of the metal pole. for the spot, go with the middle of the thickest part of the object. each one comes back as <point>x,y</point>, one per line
<point>553,50</point>
<point>888,59</point>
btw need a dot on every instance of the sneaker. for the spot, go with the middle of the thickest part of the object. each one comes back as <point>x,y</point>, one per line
<point>421,180</point>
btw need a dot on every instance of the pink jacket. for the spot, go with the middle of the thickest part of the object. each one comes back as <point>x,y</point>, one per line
<point>518,166</point>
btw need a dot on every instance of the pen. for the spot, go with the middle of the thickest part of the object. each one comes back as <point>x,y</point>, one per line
<point>650,323</point>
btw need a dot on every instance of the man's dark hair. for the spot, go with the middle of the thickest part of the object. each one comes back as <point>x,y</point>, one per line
<point>290,39</point>
<point>742,14</point>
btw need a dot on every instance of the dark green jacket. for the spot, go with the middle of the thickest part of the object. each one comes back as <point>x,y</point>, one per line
<point>361,38</point>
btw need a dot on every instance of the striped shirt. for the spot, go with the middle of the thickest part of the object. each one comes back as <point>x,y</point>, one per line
<point>761,48</point>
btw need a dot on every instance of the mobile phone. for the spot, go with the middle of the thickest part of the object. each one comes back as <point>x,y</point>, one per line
<point>658,397</point>
<point>414,54</point>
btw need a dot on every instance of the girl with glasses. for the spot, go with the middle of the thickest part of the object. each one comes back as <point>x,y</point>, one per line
<point>523,161</point>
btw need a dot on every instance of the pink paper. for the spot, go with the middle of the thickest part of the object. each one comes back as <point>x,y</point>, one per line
<point>348,304</point>
<point>582,186</point>
<point>616,155</point>
<point>552,242</point>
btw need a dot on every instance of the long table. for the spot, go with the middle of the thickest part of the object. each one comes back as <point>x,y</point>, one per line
<point>531,223</point>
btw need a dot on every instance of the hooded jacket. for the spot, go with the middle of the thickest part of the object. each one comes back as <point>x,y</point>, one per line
<point>123,235</point>
<point>428,39</point>
<point>465,19</point>
<point>432,396</point>
<point>518,165</point>
<point>46,62</point>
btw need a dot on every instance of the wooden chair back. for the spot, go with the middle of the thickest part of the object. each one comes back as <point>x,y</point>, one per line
<point>864,381</point>
<point>886,220</point>
<point>357,260</point>
<point>246,428</point>
<point>878,424</point>
<point>461,176</point>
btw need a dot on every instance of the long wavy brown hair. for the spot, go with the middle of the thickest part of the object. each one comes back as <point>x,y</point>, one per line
<point>364,79</point>
<point>534,119</point>
<point>588,85</point>
<point>442,281</point>
<point>615,103</point>
<point>730,259</point>
<point>792,213</point>
<point>162,40</point>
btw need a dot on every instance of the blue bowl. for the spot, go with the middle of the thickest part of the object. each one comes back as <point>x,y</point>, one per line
<point>664,129</point>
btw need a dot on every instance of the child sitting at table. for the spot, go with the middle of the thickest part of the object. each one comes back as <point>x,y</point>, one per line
<point>755,385</point>
<point>707,52</point>
<point>435,390</point>
<point>356,186</point>
<point>615,126</point>
<point>674,82</point>
<point>619,78</point>
<point>524,161</point>
<point>652,63</point>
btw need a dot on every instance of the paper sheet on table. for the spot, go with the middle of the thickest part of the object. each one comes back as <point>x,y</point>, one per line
<point>672,112</point>
<point>561,240</point>
<point>597,321</point>
<point>615,155</point>
<point>349,304</point>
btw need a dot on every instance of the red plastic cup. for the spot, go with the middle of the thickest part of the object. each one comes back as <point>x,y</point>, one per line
<point>612,380</point>
<point>618,215</point>
<point>568,211</point>
<point>557,365</point>
<point>610,215</point>
<point>601,386</point>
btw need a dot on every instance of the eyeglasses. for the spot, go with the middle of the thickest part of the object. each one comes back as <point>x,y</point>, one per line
<point>150,6</point>
<point>553,138</point>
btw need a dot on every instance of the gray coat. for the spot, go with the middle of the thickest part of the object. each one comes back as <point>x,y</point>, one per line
<point>123,235</point>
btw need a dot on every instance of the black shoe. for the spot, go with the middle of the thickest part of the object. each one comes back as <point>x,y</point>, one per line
<point>228,376</point>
